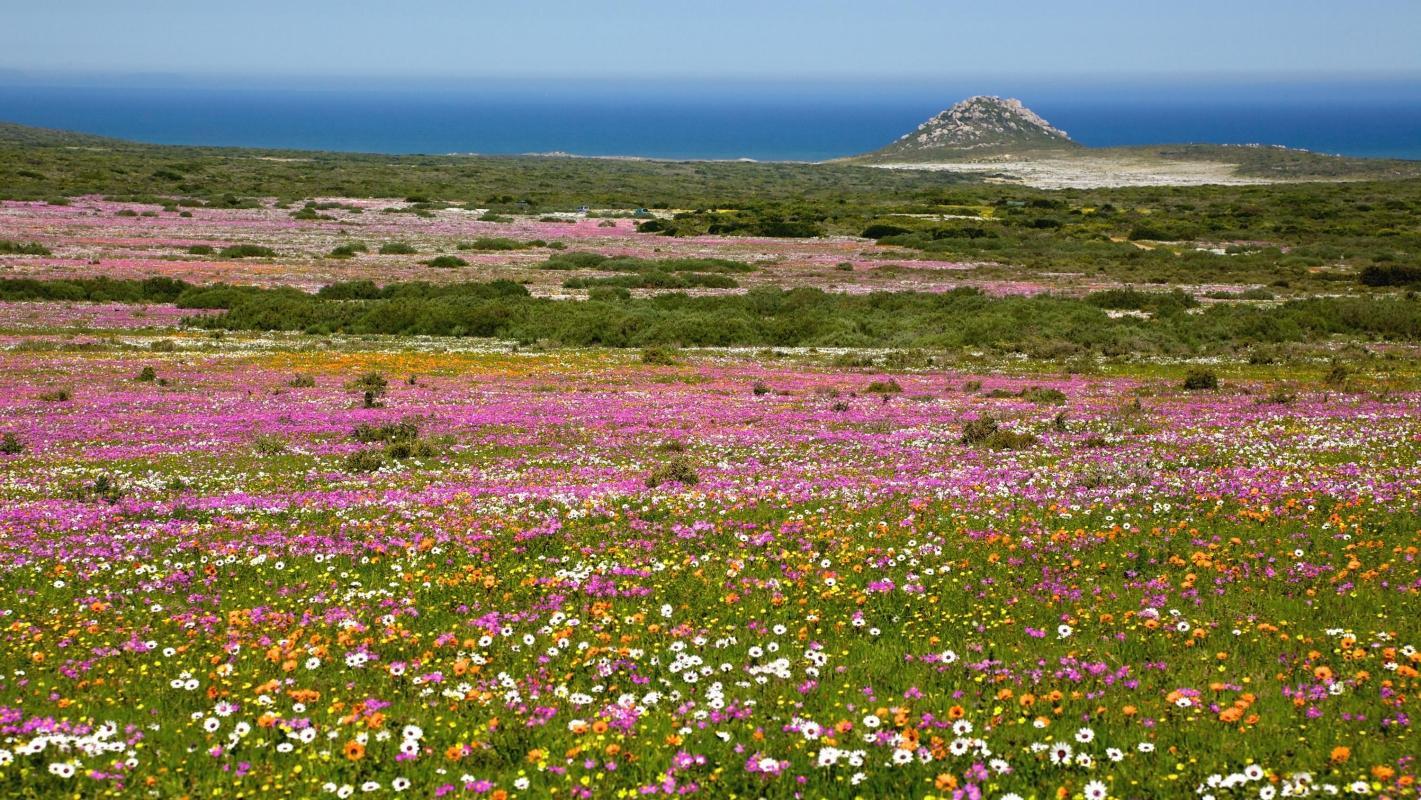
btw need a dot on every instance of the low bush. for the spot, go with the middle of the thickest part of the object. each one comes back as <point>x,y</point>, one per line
<point>883,230</point>
<point>268,445</point>
<point>372,386</point>
<point>348,250</point>
<point>1391,275</point>
<point>664,356</point>
<point>390,432</point>
<point>105,488</point>
<point>677,469</point>
<point>246,251</point>
<point>887,387</point>
<point>988,433</point>
<point>1042,395</point>
<point>148,290</point>
<point>364,461</point>
<point>1337,376</point>
<point>760,317</point>
<point>1280,396</point>
<point>10,248</point>
<point>1201,380</point>
<point>495,243</point>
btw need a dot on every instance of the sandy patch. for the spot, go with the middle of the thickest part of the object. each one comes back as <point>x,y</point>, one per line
<point>1092,172</point>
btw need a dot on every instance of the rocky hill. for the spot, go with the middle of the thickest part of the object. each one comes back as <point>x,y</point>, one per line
<point>977,127</point>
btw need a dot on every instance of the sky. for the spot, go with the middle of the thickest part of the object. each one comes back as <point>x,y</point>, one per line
<point>264,41</point>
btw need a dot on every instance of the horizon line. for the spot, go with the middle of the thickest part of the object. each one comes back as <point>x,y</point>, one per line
<point>1098,77</point>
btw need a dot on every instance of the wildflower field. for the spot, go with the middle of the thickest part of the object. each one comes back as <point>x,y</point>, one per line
<point>298,567</point>
<point>366,476</point>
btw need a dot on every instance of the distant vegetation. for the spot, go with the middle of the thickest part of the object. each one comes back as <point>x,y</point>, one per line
<point>1043,326</point>
<point>8,248</point>
<point>495,243</point>
<point>150,290</point>
<point>37,164</point>
<point>1392,275</point>
<point>1241,243</point>
<point>246,251</point>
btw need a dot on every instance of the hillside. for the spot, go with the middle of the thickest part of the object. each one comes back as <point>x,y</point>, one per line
<point>1001,140</point>
<point>978,127</point>
<point>13,133</point>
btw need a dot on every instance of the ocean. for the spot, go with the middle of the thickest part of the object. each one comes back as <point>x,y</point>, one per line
<point>762,121</point>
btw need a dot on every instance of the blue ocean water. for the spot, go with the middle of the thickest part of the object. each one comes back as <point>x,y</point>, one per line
<point>764,122</point>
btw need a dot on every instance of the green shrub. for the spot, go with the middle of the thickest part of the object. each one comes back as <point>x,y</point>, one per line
<point>664,356</point>
<point>1011,440</point>
<point>978,430</point>
<point>301,381</point>
<point>364,461</point>
<point>494,243</point>
<point>678,469</point>
<point>369,381</point>
<point>148,290</point>
<point>887,387</point>
<point>609,294</point>
<point>11,445</point>
<point>1337,376</point>
<point>1150,233</point>
<point>246,251</point>
<point>654,280</point>
<point>201,250</point>
<point>397,249</point>
<point>986,432</point>
<point>105,488</point>
<point>401,449</point>
<point>348,250</point>
<point>9,248</point>
<point>1134,299</point>
<point>146,375</point>
<point>446,262</point>
<point>372,386</point>
<point>269,445</point>
<point>390,432</point>
<point>882,231</point>
<point>1280,395</point>
<point>1200,379</point>
<point>1041,395</point>
<point>57,396</point>
<point>1391,275</point>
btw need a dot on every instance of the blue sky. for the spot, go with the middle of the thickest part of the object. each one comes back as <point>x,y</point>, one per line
<point>756,39</point>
